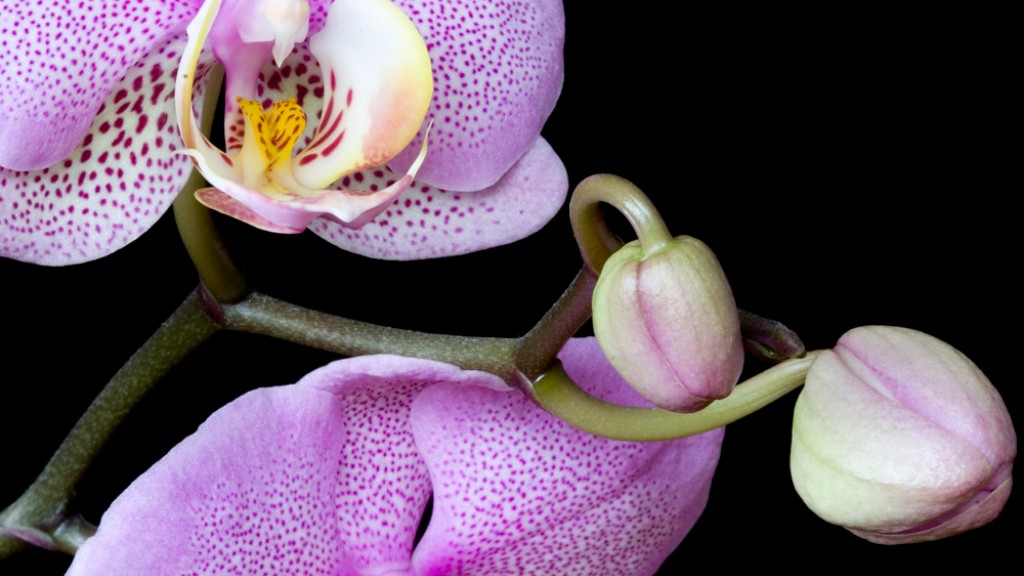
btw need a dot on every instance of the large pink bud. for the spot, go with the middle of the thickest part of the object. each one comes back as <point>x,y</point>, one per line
<point>899,437</point>
<point>668,323</point>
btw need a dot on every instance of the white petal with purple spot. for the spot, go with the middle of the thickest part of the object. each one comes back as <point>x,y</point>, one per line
<point>426,222</point>
<point>119,180</point>
<point>516,491</point>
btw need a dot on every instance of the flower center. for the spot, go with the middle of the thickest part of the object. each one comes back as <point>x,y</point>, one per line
<point>283,22</point>
<point>289,20</point>
<point>275,131</point>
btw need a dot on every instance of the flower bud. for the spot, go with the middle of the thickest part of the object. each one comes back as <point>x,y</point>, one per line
<point>668,323</point>
<point>899,437</point>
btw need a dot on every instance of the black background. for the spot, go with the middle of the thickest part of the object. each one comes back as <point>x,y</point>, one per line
<point>846,167</point>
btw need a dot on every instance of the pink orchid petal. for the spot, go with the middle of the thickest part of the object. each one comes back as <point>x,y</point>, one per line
<point>321,477</point>
<point>332,476</point>
<point>518,492</point>
<point>427,222</point>
<point>384,485</point>
<point>250,493</point>
<point>116,184</point>
<point>497,73</point>
<point>60,63</point>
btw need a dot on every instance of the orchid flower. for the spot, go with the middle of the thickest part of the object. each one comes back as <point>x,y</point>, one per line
<point>97,81</point>
<point>332,476</point>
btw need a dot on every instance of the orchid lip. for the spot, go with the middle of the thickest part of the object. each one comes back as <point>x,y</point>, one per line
<point>377,90</point>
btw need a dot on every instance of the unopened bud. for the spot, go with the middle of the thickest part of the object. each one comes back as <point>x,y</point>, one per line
<point>668,323</point>
<point>899,437</point>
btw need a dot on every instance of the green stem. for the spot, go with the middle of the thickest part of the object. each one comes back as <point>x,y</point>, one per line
<point>596,241</point>
<point>262,314</point>
<point>559,395</point>
<point>219,275</point>
<point>40,514</point>
<point>538,349</point>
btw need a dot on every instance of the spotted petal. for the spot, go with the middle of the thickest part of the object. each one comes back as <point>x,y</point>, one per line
<point>518,492</point>
<point>62,60</point>
<point>322,477</point>
<point>497,73</point>
<point>427,222</point>
<point>332,475</point>
<point>116,183</point>
<point>383,485</point>
<point>256,483</point>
